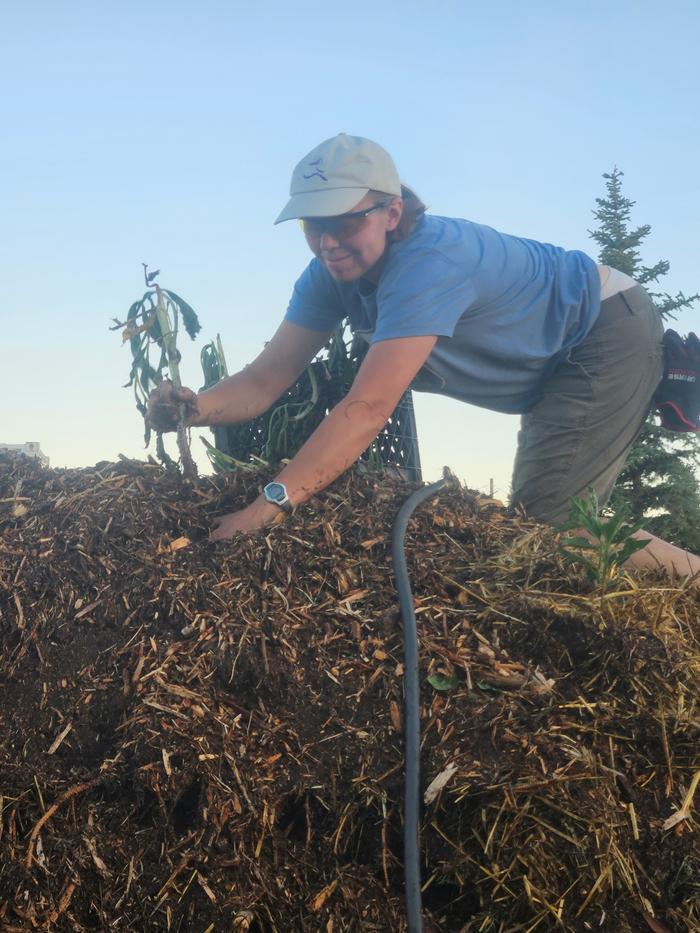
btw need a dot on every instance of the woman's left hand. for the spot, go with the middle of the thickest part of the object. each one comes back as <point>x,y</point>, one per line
<point>257,515</point>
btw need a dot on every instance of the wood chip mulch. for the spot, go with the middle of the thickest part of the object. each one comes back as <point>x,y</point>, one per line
<point>199,737</point>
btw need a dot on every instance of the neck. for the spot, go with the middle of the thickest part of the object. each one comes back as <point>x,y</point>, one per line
<point>375,273</point>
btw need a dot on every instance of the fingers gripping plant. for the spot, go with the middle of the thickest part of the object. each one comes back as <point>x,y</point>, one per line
<point>153,323</point>
<point>610,543</point>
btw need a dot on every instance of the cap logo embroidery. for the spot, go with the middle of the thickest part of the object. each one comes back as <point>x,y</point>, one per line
<point>317,173</point>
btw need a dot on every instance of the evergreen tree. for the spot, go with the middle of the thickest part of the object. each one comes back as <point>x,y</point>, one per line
<point>658,482</point>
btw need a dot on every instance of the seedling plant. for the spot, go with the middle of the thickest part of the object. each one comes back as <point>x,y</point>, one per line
<point>611,540</point>
<point>153,322</point>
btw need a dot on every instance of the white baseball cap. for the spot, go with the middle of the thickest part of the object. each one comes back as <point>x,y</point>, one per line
<point>336,175</point>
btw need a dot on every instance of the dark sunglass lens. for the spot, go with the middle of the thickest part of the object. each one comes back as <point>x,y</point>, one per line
<point>312,228</point>
<point>339,228</point>
<point>348,226</point>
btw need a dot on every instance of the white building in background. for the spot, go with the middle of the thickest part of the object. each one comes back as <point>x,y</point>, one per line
<point>30,448</point>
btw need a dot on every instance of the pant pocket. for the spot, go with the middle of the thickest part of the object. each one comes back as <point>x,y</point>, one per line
<point>636,300</point>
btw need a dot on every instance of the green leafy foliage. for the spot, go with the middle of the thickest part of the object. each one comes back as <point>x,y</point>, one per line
<point>145,336</point>
<point>281,431</point>
<point>442,683</point>
<point>213,362</point>
<point>151,327</point>
<point>180,308</point>
<point>223,463</point>
<point>658,483</point>
<point>619,246</point>
<point>609,542</point>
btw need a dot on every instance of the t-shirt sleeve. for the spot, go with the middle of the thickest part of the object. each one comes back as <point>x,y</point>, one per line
<point>316,302</point>
<point>422,295</point>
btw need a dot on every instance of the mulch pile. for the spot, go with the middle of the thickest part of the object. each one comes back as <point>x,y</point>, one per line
<point>200,737</point>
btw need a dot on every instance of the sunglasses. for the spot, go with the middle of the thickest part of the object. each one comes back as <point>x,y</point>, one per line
<point>341,227</point>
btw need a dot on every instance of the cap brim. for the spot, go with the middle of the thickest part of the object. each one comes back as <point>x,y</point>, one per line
<point>328,203</point>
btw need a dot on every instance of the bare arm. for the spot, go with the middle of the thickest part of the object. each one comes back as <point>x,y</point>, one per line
<point>349,429</point>
<point>384,376</point>
<point>247,393</point>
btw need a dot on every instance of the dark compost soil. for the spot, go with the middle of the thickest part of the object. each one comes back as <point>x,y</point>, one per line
<point>200,737</point>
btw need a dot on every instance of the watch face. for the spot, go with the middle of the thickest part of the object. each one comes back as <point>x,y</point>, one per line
<point>275,491</point>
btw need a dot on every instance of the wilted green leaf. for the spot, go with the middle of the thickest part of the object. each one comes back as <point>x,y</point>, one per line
<point>442,683</point>
<point>578,542</point>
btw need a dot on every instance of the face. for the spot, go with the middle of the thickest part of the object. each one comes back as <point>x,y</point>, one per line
<point>360,254</point>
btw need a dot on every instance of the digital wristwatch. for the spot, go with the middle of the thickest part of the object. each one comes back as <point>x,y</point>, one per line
<point>276,493</point>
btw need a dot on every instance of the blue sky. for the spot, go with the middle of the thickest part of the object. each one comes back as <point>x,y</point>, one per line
<point>166,133</point>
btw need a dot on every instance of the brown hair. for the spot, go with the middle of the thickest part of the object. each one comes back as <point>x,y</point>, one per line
<point>413,210</point>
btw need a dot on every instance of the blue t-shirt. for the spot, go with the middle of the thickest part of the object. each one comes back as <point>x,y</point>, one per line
<point>505,309</point>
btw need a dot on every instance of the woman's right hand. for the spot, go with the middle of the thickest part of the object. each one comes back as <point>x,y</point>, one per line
<point>163,406</point>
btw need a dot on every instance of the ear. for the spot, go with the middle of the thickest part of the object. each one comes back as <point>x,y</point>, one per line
<point>393,214</point>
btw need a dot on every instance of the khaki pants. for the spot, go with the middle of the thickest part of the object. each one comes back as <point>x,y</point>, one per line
<point>591,410</point>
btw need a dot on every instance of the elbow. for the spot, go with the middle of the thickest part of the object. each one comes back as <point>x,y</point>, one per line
<point>365,413</point>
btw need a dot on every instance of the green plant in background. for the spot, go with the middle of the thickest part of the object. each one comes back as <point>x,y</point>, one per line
<point>659,481</point>
<point>153,322</point>
<point>213,362</point>
<point>283,429</point>
<point>610,543</point>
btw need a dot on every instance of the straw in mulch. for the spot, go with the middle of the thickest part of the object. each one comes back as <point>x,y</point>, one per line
<point>200,737</point>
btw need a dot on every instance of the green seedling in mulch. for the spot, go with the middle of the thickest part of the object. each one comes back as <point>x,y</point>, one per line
<point>443,684</point>
<point>611,540</point>
<point>223,463</point>
<point>153,323</point>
